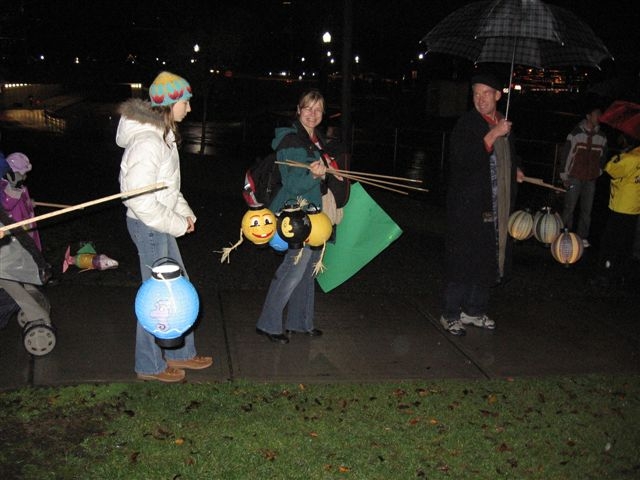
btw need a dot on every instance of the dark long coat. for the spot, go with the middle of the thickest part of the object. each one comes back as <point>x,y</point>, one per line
<point>471,242</point>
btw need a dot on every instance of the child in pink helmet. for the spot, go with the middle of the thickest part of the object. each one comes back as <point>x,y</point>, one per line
<point>14,194</point>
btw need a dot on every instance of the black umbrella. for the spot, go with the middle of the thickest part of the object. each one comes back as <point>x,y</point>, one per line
<point>519,32</point>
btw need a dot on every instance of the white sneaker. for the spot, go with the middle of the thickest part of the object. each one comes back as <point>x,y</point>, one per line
<point>454,327</point>
<point>481,321</point>
<point>585,243</point>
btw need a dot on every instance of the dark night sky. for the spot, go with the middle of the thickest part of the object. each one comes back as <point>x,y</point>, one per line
<point>386,33</point>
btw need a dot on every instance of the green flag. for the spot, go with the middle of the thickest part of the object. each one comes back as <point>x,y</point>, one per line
<point>364,232</point>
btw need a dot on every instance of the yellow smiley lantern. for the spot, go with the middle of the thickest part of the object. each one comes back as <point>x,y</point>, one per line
<point>258,225</point>
<point>321,230</point>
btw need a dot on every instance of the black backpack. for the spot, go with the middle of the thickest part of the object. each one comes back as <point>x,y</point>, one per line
<point>262,181</point>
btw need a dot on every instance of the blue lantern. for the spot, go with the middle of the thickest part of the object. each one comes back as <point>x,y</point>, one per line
<point>278,244</point>
<point>167,305</point>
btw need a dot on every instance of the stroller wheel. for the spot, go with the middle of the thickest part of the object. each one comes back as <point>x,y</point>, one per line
<point>22,318</point>
<point>39,338</point>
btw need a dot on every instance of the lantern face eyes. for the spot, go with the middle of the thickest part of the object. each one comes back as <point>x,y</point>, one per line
<point>259,226</point>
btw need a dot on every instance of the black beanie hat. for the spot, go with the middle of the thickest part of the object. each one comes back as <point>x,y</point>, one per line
<point>487,79</point>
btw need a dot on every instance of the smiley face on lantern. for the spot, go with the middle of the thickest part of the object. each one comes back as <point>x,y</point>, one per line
<point>259,224</point>
<point>294,226</point>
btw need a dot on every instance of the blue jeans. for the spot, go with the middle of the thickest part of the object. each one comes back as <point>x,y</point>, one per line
<point>292,285</point>
<point>468,298</point>
<point>583,190</point>
<point>153,245</point>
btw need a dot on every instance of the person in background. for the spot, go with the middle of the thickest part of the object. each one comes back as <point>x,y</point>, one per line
<point>480,196</point>
<point>584,154</point>
<point>293,285</point>
<point>14,194</point>
<point>148,132</point>
<point>616,248</point>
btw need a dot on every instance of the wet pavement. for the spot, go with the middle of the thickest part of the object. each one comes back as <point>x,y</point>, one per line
<point>381,325</point>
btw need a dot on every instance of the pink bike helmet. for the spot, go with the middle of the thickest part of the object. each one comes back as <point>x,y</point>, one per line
<point>19,162</point>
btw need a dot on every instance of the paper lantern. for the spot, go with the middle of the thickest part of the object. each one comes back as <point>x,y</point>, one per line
<point>293,226</point>
<point>258,224</point>
<point>567,248</point>
<point>521,225</point>
<point>278,244</point>
<point>167,304</point>
<point>547,225</point>
<point>321,227</point>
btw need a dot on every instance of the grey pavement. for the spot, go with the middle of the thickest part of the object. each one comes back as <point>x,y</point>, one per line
<point>381,325</point>
<point>368,337</point>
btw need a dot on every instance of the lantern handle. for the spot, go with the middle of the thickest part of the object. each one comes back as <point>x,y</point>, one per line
<point>166,261</point>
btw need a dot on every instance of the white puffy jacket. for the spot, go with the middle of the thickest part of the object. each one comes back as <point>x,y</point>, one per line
<point>148,160</point>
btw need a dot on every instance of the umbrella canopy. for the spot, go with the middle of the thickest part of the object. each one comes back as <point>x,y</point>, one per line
<point>522,32</point>
<point>623,116</point>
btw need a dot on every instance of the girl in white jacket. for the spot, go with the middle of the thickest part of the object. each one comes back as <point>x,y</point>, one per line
<point>148,133</point>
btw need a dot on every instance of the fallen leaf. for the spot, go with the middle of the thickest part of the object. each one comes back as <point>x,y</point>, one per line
<point>179,441</point>
<point>504,448</point>
<point>268,454</point>
<point>343,469</point>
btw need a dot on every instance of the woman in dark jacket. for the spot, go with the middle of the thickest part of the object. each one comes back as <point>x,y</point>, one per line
<point>293,284</point>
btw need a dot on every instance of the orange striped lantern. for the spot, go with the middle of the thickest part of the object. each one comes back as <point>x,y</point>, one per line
<point>547,225</point>
<point>567,248</point>
<point>521,225</point>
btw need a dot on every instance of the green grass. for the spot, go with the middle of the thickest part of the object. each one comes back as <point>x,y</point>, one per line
<point>583,427</point>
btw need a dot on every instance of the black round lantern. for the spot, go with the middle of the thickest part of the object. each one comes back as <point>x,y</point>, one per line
<point>293,226</point>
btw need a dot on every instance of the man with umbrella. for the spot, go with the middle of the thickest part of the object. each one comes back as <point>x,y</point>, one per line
<point>480,196</point>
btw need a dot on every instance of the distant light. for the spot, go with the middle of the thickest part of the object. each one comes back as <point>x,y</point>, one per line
<point>328,53</point>
<point>41,57</point>
<point>332,61</point>
<point>303,59</point>
<point>283,73</point>
<point>421,56</point>
<point>193,60</point>
<point>326,37</point>
<point>196,48</point>
<point>77,60</point>
<point>517,87</point>
<point>357,58</point>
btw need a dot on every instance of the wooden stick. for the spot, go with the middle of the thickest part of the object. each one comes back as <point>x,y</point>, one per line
<point>293,163</point>
<point>52,205</point>
<point>540,182</point>
<point>130,193</point>
<point>358,178</point>
<point>374,184</point>
<point>378,175</point>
